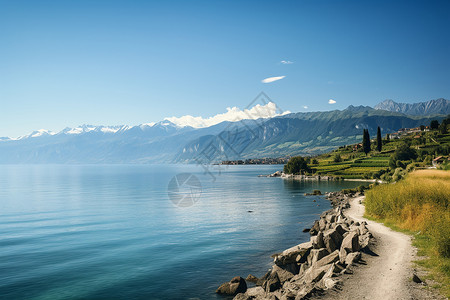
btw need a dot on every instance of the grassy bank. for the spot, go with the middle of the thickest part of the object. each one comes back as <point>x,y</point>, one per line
<point>419,204</point>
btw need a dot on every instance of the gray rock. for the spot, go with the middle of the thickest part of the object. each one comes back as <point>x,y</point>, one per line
<point>294,254</point>
<point>315,228</point>
<point>330,218</point>
<point>322,224</point>
<point>352,258</point>
<point>285,274</point>
<point>256,292</point>
<point>342,255</point>
<point>233,287</point>
<point>315,274</point>
<point>318,242</point>
<point>251,278</point>
<point>272,283</point>
<point>317,254</point>
<point>351,242</point>
<point>263,279</point>
<point>331,258</point>
<point>305,291</point>
<point>340,229</point>
<point>332,240</point>
<point>416,279</point>
<point>364,240</point>
<point>302,270</point>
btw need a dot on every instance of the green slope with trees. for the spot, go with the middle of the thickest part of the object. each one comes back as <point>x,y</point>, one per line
<point>383,158</point>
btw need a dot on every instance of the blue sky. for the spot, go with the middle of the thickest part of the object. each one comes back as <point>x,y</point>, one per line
<point>66,63</point>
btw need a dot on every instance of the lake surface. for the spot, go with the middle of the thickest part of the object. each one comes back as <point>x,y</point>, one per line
<point>111,231</point>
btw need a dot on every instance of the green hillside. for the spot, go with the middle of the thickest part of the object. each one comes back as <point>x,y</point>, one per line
<point>350,162</point>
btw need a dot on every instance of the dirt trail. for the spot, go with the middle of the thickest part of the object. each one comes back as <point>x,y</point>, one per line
<point>386,272</point>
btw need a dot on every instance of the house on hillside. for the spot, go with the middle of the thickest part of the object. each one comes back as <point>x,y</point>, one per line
<point>438,160</point>
<point>357,146</point>
<point>394,136</point>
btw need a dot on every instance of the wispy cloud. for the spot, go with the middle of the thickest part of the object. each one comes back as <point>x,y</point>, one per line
<point>286,62</point>
<point>305,107</point>
<point>331,101</point>
<point>272,79</point>
<point>233,114</point>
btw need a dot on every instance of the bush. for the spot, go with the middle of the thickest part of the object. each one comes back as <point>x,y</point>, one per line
<point>399,173</point>
<point>337,158</point>
<point>386,177</point>
<point>296,165</point>
<point>410,167</point>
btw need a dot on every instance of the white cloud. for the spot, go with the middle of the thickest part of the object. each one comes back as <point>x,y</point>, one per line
<point>233,114</point>
<point>305,107</point>
<point>286,62</point>
<point>272,79</point>
<point>331,101</point>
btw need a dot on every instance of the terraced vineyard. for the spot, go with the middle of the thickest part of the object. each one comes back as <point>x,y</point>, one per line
<point>350,164</point>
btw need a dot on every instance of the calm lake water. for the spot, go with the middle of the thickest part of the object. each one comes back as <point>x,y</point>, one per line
<point>111,232</point>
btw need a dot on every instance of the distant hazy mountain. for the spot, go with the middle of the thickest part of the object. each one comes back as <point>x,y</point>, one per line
<point>433,107</point>
<point>165,142</point>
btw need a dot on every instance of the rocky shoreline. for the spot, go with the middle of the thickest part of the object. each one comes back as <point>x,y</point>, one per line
<point>312,267</point>
<point>315,177</point>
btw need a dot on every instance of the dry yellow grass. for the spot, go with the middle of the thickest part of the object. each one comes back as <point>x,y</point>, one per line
<point>419,204</point>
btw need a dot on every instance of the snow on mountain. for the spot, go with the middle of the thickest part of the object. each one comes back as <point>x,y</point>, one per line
<point>37,133</point>
<point>233,114</point>
<point>91,128</point>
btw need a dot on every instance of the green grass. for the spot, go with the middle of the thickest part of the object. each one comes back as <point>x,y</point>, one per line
<point>419,205</point>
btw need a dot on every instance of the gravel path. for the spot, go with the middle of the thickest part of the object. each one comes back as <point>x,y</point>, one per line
<point>386,272</point>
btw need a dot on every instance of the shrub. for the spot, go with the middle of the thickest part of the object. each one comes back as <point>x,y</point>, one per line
<point>386,177</point>
<point>337,158</point>
<point>296,165</point>
<point>399,173</point>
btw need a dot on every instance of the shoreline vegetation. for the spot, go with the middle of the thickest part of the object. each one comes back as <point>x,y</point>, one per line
<point>419,206</point>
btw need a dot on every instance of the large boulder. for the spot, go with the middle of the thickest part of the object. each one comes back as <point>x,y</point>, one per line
<point>351,242</point>
<point>322,224</point>
<point>315,274</point>
<point>352,258</point>
<point>315,228</point>
<point>317,254</point>
<point>286,272</point>
<point>332,239</point>
<point>272,283</point>
<point>233,287</point>
<point>294,254</point>
<point>333,257</point>
<point>317,241</point>
<point>340,228</point>
<point>364,240</point>
<point>252,293</point>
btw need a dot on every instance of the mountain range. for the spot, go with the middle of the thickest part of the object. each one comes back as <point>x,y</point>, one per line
<point>433,107</point>
<point>166,142</point>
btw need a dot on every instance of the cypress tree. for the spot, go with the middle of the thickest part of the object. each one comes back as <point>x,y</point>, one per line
<point>366,141</point>
<point>379,140</point>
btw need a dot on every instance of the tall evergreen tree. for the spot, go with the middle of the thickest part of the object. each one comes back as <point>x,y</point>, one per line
<point>366,141</point>
<point>379,140</point>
